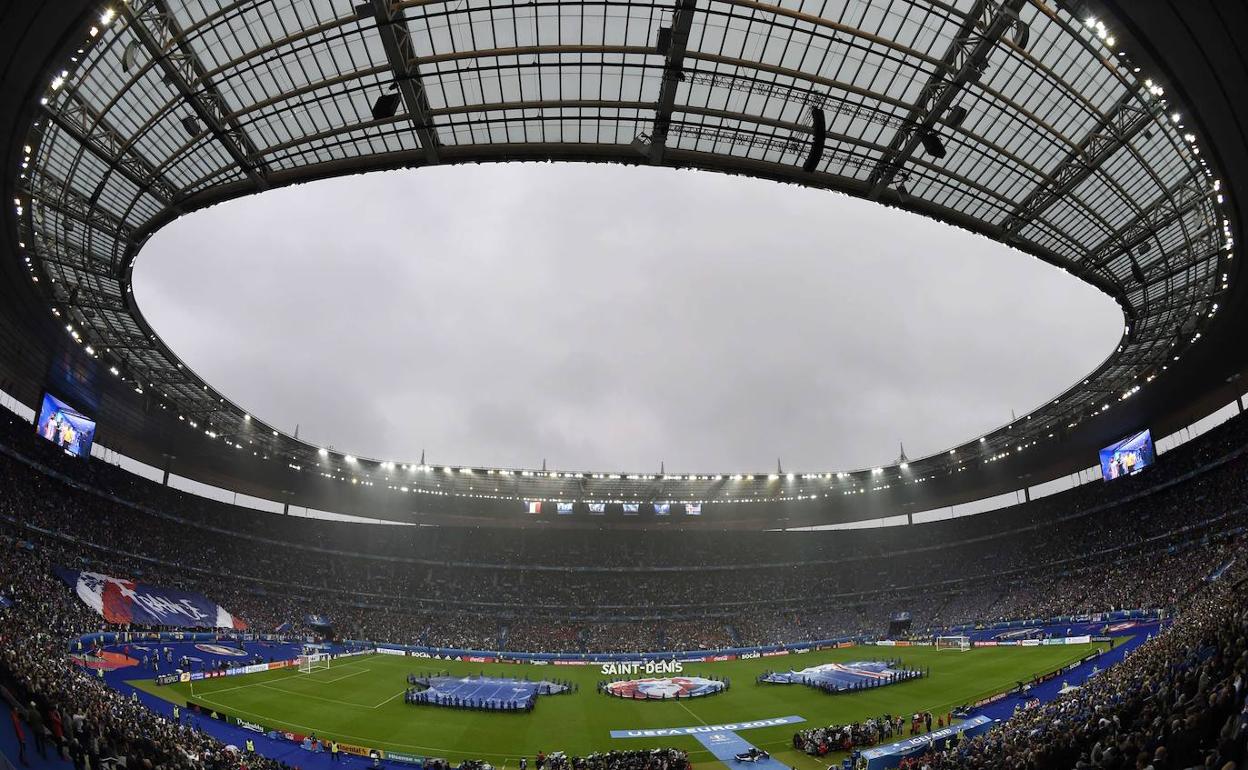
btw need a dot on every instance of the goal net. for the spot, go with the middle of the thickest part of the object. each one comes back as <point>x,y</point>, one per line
<point>959,643</point>
<point>313,659</point>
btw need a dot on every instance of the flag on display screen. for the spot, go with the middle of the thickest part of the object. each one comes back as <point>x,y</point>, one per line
<point>630,509</point>
<point>662,509</point>
<point>534,506</point>
<point>693,509</point>
<point>563,509</point>
<point>597,507</point>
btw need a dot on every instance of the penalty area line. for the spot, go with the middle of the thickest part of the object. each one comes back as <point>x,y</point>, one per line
<point>344,676</point>
<point>387,700</point>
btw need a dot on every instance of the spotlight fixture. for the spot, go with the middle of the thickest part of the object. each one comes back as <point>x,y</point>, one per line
<point>642,145</point>
<point>932,144</point>
<point>386,106</point>
<point>663,41</point>
<point>955,116</point>
<point>129,55</point>
<point>1022,34</point>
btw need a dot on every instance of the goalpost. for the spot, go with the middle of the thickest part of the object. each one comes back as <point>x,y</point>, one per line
<point>313,659</point>
<point>959,643</point>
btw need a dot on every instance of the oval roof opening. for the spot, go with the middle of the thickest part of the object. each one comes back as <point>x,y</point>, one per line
<point>613,318</point>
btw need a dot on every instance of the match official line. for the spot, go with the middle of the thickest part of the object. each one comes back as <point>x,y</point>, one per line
<point>686,708</point>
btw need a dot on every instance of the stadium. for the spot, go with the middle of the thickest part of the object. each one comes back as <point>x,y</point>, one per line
<point>1065,590</point>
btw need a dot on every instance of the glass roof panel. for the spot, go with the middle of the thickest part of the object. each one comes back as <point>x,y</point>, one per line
<point>284,89</point>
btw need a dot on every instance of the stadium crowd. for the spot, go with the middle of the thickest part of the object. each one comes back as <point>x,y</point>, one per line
<point>1147,550</point>
<point>1145,553</point>
<point>1177,702</point>
<point>639,759</point>
<point>820,741</point>
<point>60,708</point>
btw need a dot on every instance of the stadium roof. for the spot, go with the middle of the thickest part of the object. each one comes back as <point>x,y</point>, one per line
<point>1056,129</point>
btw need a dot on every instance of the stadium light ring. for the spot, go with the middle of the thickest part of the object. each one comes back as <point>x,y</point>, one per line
<point>677,136</point>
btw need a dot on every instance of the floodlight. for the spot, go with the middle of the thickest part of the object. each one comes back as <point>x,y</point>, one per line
<point>955,116</point>
<point>386,106</point>
<point>932,144</point>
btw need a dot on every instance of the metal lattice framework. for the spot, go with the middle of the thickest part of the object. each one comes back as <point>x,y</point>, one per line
<point>1007,117</point>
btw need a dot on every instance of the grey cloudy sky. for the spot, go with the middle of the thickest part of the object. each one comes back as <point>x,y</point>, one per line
<point>610,318</point>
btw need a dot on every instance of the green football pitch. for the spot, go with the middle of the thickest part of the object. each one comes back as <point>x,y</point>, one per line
<point>360,701</point>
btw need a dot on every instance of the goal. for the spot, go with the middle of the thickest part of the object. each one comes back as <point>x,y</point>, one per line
<point>959,643</point>
<point>313,659</point>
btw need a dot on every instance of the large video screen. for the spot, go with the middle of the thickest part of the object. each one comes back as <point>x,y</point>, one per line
<point>65,426</point>
<point>1131,455</point>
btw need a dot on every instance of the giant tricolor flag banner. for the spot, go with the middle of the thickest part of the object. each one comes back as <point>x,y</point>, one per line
<point>125,601</point>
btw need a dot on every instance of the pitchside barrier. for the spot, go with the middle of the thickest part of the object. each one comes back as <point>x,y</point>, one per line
<point>1098,617</point>
<point>891,755</point>
<point>573,659</point>
<point>311,744</point>
<point>130,637</point>
<point>254,668</point>
<point>730,653</point>
<point>687,656</point>
<point>700,656</point>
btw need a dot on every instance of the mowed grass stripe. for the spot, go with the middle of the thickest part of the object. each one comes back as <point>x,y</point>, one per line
<point>360,701</point>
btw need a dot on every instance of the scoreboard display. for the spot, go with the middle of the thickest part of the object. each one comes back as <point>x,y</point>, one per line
<point>65,426</point>
<point>593,508</point>
<point>1128,456</point>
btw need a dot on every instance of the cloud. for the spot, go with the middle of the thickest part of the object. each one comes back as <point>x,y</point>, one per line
<point>607,318</point>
